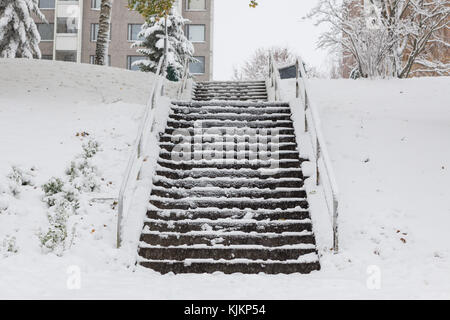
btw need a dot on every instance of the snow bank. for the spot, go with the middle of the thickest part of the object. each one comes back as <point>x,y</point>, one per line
<point>387,140</point>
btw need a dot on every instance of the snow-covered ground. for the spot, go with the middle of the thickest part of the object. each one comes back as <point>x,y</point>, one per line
<point>387,140</point>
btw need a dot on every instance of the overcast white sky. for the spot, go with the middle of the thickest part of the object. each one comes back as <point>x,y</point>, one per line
<point>239,30</point>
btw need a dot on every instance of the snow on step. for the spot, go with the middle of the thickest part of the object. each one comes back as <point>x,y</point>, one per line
<point>240,210</point>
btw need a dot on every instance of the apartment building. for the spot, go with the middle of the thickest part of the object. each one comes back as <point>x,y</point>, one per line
<point>73,26</point>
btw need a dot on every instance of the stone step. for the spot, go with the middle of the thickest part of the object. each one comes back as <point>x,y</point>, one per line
<point>230,104</point>
<point>220,164</point>
<point>215,213</point>
<point>230,82</point>
<point>187,154</point>
<point>231,98</point>
<point>230,117</point>
<point>234,266</point>
<point>228,203</point>
<point>217,192</point>
<point>227,225</point>
<point>166,139</point>
<point>228,182</point>
<point>231,87</point>
<point>235,146</point>
<point>181,253</point>
<point>227,238</point>
<point>199,173</point>
<point>180,124</point>
<point>232,110</point>
<point>230,131</point>
<point>229,93</point>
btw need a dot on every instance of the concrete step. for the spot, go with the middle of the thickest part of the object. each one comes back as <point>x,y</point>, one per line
<point>231,110</point>
<point>217,192</point>
<point>229,131</point>
<point>220,164</point>
<point>227,225</point>
<point>166,139</point>
<point>243,173</point>
<point>229,203</point>
<point>181,253</point>
<point>232,266</point>
<point>230,117</point>
<point>266,124</point>
<point>216,213</point>
<point>230,104</point>
<point>187,154</point>
<point>235,146</point>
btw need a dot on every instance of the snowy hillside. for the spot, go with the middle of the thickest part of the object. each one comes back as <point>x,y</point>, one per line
<point>387,139</point>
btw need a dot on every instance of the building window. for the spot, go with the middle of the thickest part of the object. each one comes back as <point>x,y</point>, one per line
<point>95,4</point>
<point>47,57</point>
<point>133,31</point>
<point>198,66</point>
<point>196,32</point>
<point>47,4</point>
<point>46,30</point>
<point>66,56</point>
<point>94,31</point>
<point>196,5</point>
<point>131,60</point>
<point>108,60</point>
<point>66,25</point>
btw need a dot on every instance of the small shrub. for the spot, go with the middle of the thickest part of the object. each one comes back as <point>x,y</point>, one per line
<point>19,178</point>
<point>90,148</point>
<point>54,239</point>
<point>9,246</point>
<point>53,186</point>
<point>22,177</point>
<point>83,175</point>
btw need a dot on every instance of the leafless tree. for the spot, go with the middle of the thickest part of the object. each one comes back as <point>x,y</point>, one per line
<point>257,67</point>
<point>386,37</point>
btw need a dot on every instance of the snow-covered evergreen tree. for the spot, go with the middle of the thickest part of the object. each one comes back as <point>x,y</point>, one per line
<point>19,37</point>
<point>152,45</point>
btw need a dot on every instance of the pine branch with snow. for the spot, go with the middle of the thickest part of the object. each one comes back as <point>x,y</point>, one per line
<point>19,37</point>
<point>152,45</point>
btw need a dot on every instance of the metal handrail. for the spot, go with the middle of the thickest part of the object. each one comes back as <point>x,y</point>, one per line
<point>318,141</point>
<point>138,149</point>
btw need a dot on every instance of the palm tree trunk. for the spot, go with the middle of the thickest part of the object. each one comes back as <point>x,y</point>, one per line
<point>104,23</point>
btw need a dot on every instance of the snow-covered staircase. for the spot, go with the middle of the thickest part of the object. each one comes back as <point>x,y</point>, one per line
<point>229,210</point>
<point>231,90</point>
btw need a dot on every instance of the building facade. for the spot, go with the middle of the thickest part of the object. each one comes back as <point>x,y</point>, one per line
<point>71,33</point>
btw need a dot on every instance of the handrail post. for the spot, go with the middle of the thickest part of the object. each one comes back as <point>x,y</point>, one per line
<point>306,110</point>
<point>317,161</point>
<point>335,225</point>
<point>297,85</point>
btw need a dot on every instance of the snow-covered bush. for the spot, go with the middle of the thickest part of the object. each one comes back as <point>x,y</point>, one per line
<point>19,177</point>
<point>54,239</point>
<point>83,175</point>
<point>53,186</point>
<point>19,36</point>
<point>152,45</point>
<point>63,197</point>
<point>9,246</point>
<point>59,193</point>
<point>90,148</point>
<point>63,201</point>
